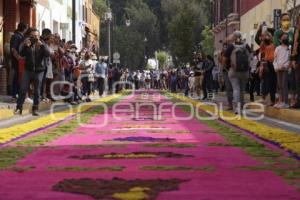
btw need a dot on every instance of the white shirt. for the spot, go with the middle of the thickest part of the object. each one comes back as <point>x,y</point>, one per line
<point>282,57</point>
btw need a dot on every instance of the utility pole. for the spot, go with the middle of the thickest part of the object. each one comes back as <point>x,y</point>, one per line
<point>74,21</point>
<point>108,19</point>
<point>212,13</point>
<point>109,41</point>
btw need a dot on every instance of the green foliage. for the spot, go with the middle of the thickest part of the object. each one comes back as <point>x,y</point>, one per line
<point>162,58</point>
<point>100,7</point>
<point>182,36</point>
<point>208,41</point>
<point>149,67</point>
<point>10,155</point>
<point>173,25</point>
<point>87,169</point>
<point>177,168</point>
<point>185,22</point>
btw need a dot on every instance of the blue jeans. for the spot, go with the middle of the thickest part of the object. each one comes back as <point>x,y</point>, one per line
<point>15,84</point>
<point>37,78</point>
<point>238,81</point>
<point>228,87</point>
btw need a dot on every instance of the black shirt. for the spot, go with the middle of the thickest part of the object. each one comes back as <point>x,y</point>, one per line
<point>15,42</point>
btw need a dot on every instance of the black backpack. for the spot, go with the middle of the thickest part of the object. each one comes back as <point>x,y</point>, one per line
<point>240,58</point>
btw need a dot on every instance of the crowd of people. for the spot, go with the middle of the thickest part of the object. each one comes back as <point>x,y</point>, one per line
<point>46,67</point>
<point>271,71</point>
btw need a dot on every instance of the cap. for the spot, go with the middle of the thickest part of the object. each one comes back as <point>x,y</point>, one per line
<point>237,34</point>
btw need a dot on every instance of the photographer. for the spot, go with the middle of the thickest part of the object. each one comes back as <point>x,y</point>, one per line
<point>34,52</point>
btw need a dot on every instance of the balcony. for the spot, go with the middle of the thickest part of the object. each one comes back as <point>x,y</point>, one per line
<point>31,2</point>
<point>232,19</point>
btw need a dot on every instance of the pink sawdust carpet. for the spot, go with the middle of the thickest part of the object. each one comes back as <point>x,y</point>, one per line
<point>219,179</point>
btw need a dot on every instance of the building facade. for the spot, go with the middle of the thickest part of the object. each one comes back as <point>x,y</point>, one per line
<point>226,19</point>
<point>246,16</point>
<point>92,27</point>
<point>11,13</point>
<point>79,24</point>
<point>254,13</point>
<point>56,15</point>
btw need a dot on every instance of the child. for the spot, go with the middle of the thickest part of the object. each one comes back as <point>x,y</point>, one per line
<point>192,83</point>
<point>281,66</point>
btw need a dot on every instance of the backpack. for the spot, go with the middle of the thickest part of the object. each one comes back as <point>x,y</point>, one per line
<point>240,58</point>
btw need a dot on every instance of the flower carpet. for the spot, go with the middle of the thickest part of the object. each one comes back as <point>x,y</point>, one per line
<point>137,157</point>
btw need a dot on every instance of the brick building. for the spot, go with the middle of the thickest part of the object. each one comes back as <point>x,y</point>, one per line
<point>92,27</point>
<point>226,19</point>
<point>53,14</point>
<point>244,15</point>
<point>11,13</point>
<point>255,12</point>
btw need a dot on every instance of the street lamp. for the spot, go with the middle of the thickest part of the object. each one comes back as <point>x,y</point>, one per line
<point>108,18</point>
<point>212,13</point>
<point>145,49</point>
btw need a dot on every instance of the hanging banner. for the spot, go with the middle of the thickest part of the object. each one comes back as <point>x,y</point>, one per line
<point>277,15</point>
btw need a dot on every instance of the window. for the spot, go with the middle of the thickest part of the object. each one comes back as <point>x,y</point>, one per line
<point>55,26</point>
<point>83,13</point>
<point>43,25</point>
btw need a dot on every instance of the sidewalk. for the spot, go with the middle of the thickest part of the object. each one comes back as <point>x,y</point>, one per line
<point>287,115</point>
<point>7,107</point>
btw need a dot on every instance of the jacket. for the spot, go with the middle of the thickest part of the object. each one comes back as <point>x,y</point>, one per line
<point>34,60</point>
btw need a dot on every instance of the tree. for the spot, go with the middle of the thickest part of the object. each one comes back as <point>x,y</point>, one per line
<point>182,36</point>
<point>162,58</point>
<point>172,25</point>
<point>100,7</point>
<point>130,41</point>
<point>208,41</point>
<point>130,46</point>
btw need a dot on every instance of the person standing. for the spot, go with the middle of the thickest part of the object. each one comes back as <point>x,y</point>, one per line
<point>101,74</point>
<point>267,72</point>
<point>281,66</point>
<point>296,62</point>
<point>207,77</point>
<point>198,75</point>
<point>86,67</point>
<point>185,79</point>
<point>254,78</point>
<point>238,55</point>
<point>34,52</point>
<point>48,39</point>
<point>285,28</point>
<point>288,29</point>
<point>225,65</point>
<point>15,42</point>
<point>191,83</point>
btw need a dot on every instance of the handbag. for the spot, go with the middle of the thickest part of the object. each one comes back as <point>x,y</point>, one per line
<point>263,70</point>
<point>91,77</point>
